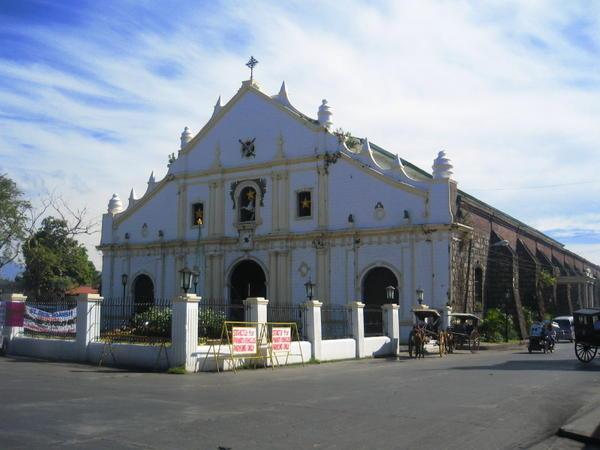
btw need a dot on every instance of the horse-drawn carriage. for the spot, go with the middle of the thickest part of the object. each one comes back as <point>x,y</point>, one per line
<point>463,332</point>
<point>426,330</point>
<point>587,333</point>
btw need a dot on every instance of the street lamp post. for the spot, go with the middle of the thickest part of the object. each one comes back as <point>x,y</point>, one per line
<point>310,287</point>
<point>420,294</point>
<point>186,279</point>
<point>390,293</point>
<point>124,278</point>
<point>196,277</point>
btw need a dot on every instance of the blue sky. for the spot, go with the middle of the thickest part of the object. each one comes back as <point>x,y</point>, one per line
<point>94,95</point>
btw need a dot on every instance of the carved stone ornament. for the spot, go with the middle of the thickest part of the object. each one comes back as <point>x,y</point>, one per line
<point>379,212</point>
<point>248,149</point>
<point>246,241</point>
<point>319,243</point>
<point>303,269</point>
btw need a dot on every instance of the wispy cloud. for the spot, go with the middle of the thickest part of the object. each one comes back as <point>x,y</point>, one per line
<point>511,90</point>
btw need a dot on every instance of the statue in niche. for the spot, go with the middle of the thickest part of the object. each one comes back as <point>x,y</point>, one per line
<point>247,205</point>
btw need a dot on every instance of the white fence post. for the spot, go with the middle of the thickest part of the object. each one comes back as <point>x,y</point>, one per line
<point>256,311</point>
<point>391,325</point>
<point>184,331</point>
<point>313,326</point>
<point>88,322</point>
<point>256,308</point>
<point>8,333</point>
<point>358,326</point>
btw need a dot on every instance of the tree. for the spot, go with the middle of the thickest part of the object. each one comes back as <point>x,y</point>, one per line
<point>14,220</point>
<point>55,261</point>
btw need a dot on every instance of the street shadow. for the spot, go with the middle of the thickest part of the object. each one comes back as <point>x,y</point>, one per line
<point>85,368</point>
<point>550,365</point>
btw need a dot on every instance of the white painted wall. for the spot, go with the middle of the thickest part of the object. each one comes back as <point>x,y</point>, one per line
<point>335,349</point>
<point>378,346</point>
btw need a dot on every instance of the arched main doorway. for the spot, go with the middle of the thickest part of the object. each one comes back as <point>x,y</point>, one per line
<point>143,292</point>
<point>247,280</point>
<point>374,295</point>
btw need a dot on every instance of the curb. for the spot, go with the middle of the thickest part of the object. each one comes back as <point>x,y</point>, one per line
<point>583,427</point>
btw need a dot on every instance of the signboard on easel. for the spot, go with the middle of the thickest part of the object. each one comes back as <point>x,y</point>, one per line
<point>281,339</point>
<point>266,341</point>
<point>243,340</point>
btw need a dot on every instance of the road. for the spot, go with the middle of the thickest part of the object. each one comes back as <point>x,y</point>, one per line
<point>491,400</point>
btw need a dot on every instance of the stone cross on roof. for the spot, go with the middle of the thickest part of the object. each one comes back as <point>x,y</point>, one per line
<point>251,63</point>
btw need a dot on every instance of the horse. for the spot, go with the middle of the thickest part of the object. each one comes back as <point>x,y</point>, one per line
<point>442,343</point>
<point>417,343</point>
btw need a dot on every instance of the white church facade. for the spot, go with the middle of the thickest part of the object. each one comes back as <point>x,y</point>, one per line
<point>263,199</point>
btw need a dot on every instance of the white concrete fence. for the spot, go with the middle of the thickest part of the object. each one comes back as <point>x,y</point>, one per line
<point>184,349</point>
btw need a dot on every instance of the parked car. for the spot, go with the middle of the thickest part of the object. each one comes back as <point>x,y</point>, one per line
<point>566,332</point>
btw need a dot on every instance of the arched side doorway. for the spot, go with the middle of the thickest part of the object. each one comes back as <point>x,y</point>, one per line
<point>247,279</point>
<point>374,295</point>
<point>143,293</point>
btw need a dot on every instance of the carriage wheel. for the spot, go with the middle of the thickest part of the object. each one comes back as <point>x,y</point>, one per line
<point>585,352</point>
<point>474,341</point>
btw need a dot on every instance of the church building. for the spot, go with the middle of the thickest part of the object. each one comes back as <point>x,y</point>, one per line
<point>265,198</point>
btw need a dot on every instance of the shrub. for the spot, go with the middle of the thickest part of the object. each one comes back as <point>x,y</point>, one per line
<point>154,322</point>
<point>494,324</point>
<point>210,323</point>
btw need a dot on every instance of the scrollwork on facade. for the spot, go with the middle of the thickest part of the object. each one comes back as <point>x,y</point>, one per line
<point>319,243</point>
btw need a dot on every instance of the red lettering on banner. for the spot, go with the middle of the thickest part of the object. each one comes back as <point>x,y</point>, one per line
<point>244,339</point>
<point>281,339</point>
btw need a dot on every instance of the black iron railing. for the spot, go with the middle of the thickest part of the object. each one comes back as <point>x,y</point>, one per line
<point>212,313</point>
<point>373,321</point>
<point>335,322</point>
<point>288,314</point>
<point>51,318</point>
<point>125,320</point>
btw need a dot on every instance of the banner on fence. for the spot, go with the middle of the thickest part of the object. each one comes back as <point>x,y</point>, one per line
<point>281,339</point>
<point>243,340</point>
<point>60,322</point>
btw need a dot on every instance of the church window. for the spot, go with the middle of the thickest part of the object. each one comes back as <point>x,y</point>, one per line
<point>197,214</point>
<point>304,204</point>
<point>247,205</point>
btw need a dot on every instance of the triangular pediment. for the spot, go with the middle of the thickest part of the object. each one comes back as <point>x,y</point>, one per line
<point>251,128</point>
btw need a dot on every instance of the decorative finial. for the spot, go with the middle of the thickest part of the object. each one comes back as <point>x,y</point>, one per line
<point>115,205</point>
<point>151,180</point>
<point>325,114</point>
<point>282,97</point>
<point>218,106</point>
<point>442,166</point>
<point>132,198</point>
<point>186,137</point>
<point>251,63</point>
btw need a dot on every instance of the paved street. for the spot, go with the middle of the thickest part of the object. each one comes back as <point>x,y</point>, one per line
<point>494,399</point>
